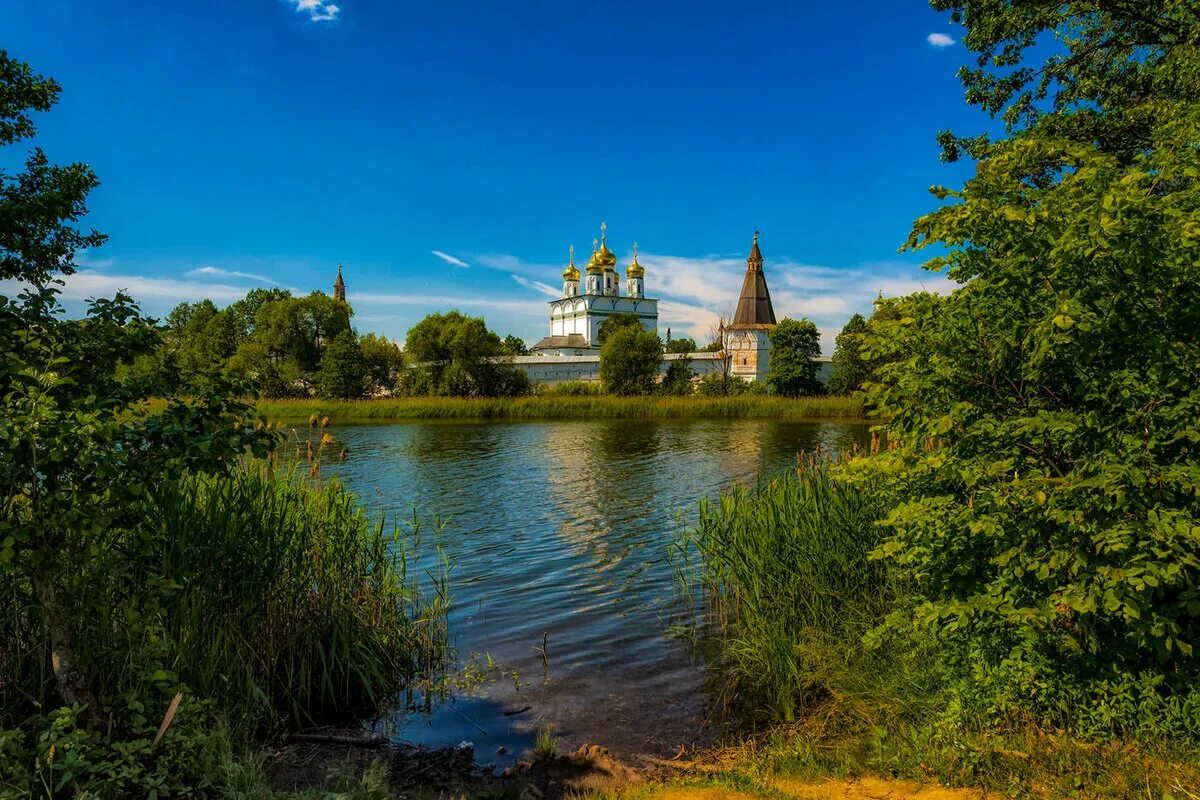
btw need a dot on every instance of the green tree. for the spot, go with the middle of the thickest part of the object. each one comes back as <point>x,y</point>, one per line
<point>851,367</point>
<point>678,380</point>
<point>630,361</point>
<point>684,345</point>
<point>382,364</point>
<point>792,362</point>
<point>1045,414</point>
<point>342,373</point>
<point>77,447</point>
<point>453,354</point>
<point>515,345</point>
<point>284,352</point>
<point>615,323</point>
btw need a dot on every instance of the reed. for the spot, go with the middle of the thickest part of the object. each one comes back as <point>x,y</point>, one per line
<point>292,602</point>
<point>556,406</point>
<point>782,596</point>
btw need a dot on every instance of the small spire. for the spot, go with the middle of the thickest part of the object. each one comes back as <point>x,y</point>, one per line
<point>571,250</point>
<point>603,232</point>
<point>635,251</point>
<point>595,245</point>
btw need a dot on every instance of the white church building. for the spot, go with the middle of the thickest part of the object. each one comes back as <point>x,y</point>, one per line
<point>572,350</point>
<point>576,317</point>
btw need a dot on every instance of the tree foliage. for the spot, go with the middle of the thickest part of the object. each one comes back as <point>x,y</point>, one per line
<point>515,345</point>
<point>792,364</point>
<point>630,361</point>
<point>684,345</point>
<point>850,365</point>
<point>456,355</point>
<point>343,370</point>
<point>1046,414</point>
<point>615,323</point>
<point>678,380</point>
<point>77,449</point>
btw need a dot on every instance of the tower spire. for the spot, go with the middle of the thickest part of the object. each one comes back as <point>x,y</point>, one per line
<point>339,286</point>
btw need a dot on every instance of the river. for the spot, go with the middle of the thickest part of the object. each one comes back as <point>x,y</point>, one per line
<point>562,528</point>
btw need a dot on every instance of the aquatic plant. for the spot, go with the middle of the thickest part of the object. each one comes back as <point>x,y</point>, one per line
<point>783,593</point>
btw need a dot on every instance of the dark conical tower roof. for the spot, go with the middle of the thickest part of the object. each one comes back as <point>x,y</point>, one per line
<point>754,304</point>
<point>339,286</point>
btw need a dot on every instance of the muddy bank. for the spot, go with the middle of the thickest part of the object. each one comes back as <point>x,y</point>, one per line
<point>445,772</point>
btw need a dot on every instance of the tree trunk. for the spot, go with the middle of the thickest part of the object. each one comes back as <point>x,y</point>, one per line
<point>72,687</point>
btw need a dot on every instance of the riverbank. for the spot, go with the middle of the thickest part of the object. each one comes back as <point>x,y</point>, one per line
<point>588,407</point>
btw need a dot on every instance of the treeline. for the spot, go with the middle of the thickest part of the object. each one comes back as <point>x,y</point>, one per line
<point>302,347</point>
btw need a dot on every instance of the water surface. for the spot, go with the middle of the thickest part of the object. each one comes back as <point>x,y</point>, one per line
<point>562,528</point>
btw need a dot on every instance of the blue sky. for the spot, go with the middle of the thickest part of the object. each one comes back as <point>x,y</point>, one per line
<point>447,154</point>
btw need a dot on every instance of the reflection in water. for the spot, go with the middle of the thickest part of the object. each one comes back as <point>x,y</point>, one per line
<point>562,528</point>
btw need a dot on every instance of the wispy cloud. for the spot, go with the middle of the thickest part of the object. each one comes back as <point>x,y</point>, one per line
<point>217,272</point>
<point>87,284</point>
<point>438,303</point>
<point>451,260</point>
<point>538,286</point>
<point>940,40</point>
<point>317,10</point>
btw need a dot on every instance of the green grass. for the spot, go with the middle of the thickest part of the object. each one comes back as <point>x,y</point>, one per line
<point>261,598</point>
<point>782,594</point>
<point>566,407</point>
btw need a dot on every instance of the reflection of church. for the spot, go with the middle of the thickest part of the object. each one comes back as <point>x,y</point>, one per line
<point>575,319</point>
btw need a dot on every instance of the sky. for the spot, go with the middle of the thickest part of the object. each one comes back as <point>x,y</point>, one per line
<point>447,154</point>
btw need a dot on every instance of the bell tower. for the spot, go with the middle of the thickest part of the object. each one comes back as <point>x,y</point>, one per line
<point>339,286</point>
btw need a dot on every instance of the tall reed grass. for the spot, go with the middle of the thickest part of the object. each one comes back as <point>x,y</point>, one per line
<point>555,406</point>
<point>290,599</point>
<point>782,596</point>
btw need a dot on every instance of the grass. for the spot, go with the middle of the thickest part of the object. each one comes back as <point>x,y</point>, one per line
<point>256,600</point>
<point>782,594</point>
<point>567,407</point>
<point>294,600</point>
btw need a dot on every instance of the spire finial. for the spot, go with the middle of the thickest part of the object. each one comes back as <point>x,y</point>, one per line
<point>595,244</point>
<point>635,251</point>
<point>603,232</point>
<point>571,250</point>
<point>339,269</point>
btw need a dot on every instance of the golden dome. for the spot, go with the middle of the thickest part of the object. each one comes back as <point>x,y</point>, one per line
<point>594,267</point>
<point>571,273</point>
<point>635,270</point>
<point>604,256</point>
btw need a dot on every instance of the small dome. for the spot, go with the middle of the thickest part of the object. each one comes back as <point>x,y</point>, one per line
<point>594,267</point>
<point>571,273</point>
<point>605,256</point>
<point>635,270</point>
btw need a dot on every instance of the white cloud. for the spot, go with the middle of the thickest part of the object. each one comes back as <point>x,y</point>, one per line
<point>449,259</point>
<point>440,303</point>
<point>940,40</point>
<point>544,288</point>
<point>217,272</point>
<point>87,284</point>
<point>317,10</point>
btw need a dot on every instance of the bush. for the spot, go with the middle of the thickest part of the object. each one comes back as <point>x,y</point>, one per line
<point>569,389</point>
<point>630,361</point>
